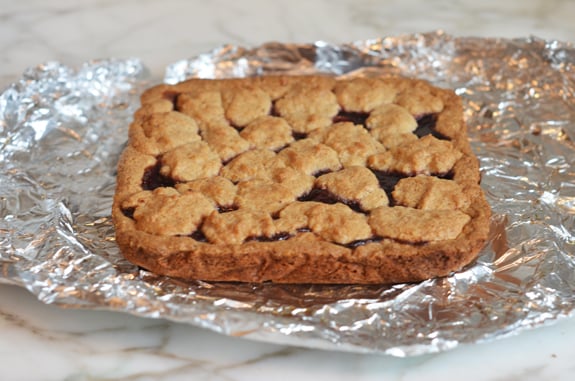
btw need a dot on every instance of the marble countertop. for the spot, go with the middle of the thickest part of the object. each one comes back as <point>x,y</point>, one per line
<point>46,342</point>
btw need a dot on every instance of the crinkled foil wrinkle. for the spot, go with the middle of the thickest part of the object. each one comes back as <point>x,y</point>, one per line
<point>62,129</point>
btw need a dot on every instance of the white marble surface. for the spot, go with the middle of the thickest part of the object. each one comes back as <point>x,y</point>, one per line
<point>43,342</point>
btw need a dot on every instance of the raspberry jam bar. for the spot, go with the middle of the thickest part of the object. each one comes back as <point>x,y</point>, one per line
<point>309,179</point>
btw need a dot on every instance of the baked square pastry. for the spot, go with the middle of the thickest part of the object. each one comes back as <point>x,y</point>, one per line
<point>300,179</point>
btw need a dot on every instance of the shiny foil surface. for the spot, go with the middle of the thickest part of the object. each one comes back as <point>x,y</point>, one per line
<point>62,129</point>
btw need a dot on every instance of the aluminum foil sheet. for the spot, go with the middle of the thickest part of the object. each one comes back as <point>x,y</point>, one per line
<point>62,129</point>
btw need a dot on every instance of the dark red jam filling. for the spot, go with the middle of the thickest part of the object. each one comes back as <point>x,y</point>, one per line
<point>387,182</point>
<point>358,118</point>
<point>274,111</point>
<point>153,179</point>
<point>129,212</point>
<point>321,172</point>
<point>426,126</point>
<point>326,197</point>
<point>227,208</point>
<point>362,242</point>
<point>199,236</point>
<point>299,135</point>
<point>276,237</point>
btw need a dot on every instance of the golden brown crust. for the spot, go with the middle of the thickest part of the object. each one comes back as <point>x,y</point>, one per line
<point>282,179</point>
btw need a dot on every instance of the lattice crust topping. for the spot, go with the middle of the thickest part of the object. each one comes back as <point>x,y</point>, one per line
<point>268,132</point>
<point>165,211</point>
<point>307,109</point>
<point>355,183</point>
<point>364,95</point>
<point>427,155</point>
<point>349,161</point>
<point>429,192</point>
<point>237,226</point>
<point>190,161</point>
<point>416,225</point>
<point>353,145</point>
<point>218,189</point>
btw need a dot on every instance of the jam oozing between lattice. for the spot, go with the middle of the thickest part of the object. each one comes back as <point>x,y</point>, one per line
<point>358,118</point>
<point>199,236</point>
<point>362,242</point>
<point>129,212</point>
<point>299,135</point>
<point>426,126</point>
<point>276,237</point>
<point>153,179</point>
<point>326,197</point>
<point>387,182</point>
